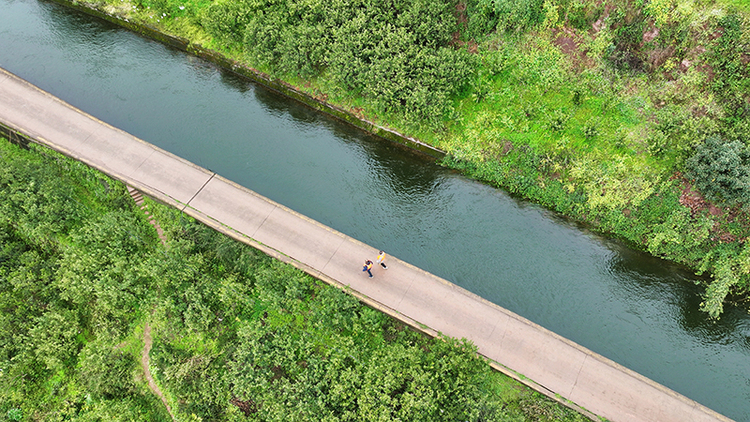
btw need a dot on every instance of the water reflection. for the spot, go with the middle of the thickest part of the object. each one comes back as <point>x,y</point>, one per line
<point>298,112</point>
<point>232,80</point>
<point>645,279</point>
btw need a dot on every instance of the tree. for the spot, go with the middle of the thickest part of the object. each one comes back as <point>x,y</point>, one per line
<point>721,171</point>
<point>106,371</point>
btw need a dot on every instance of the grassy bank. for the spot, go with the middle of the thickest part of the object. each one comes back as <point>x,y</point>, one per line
<point>632,117</point>
<point>237,335</point>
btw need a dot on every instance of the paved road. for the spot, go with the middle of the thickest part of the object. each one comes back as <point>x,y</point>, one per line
<point>516,345</point>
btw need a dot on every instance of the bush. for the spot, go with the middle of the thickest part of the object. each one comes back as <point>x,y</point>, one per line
<point>731,82</point>
<point>66,284</point>
<point>581,15</point>
<point>516,14</point>
<point>53,338</point>
<point>721,171</point>
<point>481,19</point>
<point>397,54</point>
<point>14,414</point>
<point>625,52</point>
<point>227,19</point>
<point>677,133</point>
<point>106,372</point>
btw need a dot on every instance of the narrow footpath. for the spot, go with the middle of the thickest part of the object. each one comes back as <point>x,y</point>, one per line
<point>147,339</point>
<point>515,345</point>
<point>145,362</point>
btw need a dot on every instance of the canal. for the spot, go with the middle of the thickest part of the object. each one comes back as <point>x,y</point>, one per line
<point>632,308</point>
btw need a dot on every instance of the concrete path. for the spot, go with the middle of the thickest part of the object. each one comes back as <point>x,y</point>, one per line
<point>518,346</point>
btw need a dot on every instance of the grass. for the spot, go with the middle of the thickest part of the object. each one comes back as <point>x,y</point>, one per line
<point>743,5</point>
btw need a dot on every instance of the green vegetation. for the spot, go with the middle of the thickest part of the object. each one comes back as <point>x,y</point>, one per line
<point>721,170</point>
<point>237,335</point>
<point>74,271</point>
<point>617,113</point>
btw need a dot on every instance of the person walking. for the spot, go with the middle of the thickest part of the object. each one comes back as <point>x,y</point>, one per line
<point>368,267</point>
<point>381,260</point>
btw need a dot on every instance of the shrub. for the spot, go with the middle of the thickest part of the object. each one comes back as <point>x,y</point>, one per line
<point>581,15</point>
<point>517,14</point>
<point>226,19</point>
<point>397,54</point>
<point>106,372</point>
<point>557,121</point>
<point>677,133</point>
<point>481,19</point>
<point>625,51</point>
<point>14,414</point>
<point>615,184</point>
<point>731,82</point>
<point>721,171</point>
<point>590,130</point>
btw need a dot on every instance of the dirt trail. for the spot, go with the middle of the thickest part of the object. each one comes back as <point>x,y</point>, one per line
<point>147,342</point>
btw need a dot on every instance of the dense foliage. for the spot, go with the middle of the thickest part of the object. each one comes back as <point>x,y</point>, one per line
<point>634,96</point>
<point>721,171</point>
<point>74,272</point>
<point>398,53</point>
<point>237,335</point>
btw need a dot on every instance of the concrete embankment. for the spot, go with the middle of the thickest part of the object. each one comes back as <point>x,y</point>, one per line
<point>516,346</point>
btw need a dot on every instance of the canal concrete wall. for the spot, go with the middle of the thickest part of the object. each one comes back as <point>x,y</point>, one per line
<point>514,345</point>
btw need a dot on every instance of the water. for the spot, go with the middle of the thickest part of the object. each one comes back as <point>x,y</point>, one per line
<point>634,309</point>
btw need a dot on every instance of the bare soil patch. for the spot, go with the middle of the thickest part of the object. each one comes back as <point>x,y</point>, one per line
<point>569,44</point>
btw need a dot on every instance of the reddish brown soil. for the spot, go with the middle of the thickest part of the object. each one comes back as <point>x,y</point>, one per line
<point>651,33</point>
<point>568,42</point>
<point>695,201</point>
<point>463,20</point>
<point>659,56</point>
<point>247,407</point>
<point>698,205</point>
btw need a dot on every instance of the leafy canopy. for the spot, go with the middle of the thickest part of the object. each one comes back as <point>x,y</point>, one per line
<point>721,171</point>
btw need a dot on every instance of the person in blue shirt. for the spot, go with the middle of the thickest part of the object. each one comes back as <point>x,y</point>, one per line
<point>368,267</point>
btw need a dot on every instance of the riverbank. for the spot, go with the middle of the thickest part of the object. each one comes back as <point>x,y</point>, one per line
<point>618,172</point>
